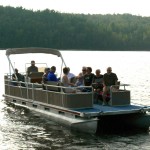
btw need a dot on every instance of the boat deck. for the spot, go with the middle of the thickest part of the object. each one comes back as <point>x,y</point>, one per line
<point>99,110</point>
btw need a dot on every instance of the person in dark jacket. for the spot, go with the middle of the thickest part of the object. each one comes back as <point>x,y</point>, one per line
<point>32,68</point>
<point>109,79</point>
<point>17,77</point>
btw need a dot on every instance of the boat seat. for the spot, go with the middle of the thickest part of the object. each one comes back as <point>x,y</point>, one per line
<point>35,77</point>
<point>53,86</point>
<point>119,98</point>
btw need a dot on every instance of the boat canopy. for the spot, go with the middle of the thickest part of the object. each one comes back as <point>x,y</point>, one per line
<point>32,50</point>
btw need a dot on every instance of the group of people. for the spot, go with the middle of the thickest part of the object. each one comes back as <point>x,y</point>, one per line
<point>16,76</point>
<point>100,83</point>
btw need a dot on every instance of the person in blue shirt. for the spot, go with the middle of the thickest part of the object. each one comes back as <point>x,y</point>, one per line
<point>51,76</point>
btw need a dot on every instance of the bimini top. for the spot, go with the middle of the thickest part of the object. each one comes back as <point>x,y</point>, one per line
<point>14,51</point>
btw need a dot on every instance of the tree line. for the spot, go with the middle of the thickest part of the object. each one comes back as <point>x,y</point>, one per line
<point>48,28</point>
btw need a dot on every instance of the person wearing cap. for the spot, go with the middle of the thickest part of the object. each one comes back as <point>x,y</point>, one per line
<point>32,68</point>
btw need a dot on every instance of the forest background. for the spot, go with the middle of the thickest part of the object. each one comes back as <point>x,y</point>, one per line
<point>20,27</point>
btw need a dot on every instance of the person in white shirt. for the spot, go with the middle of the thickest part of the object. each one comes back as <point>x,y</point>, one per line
<point>71,76</point>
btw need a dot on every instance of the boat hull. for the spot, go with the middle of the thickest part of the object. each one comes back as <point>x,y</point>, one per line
<point>88,125</point>
<point>123,123</point>
<point>99,125</point>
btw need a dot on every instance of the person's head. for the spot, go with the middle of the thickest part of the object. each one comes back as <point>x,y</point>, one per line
<point>97,72</point>
<point>109,70</point>
<point>88,70</point>
<point>46,70</point>
<point>32,63</point>
<point>16,70</point>
<point>84,70</point>
<point>53,69</point>
<point>68,69</point>
<point>65,70</point>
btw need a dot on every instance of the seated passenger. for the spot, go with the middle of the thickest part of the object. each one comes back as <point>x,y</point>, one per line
<point>110,79</point>
<point>98,86</point>
<point>51,75</point>
<point>45,75</point>
<point>98,81</point>
<point>80,77</point>
<point>71,76</point>
<point>32,68</point>
<point>65,81</point>
<point>88,79</point>
<point>17,77</point>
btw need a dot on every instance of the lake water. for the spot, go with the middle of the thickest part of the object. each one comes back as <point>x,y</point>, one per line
<point>22,129</point>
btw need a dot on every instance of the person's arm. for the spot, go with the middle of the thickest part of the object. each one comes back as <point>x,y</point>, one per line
<point>104,80</point>
<point>13,77</point>
<point>93,78</point>
<point>79,76</point>
<point>116,81</point>
<point>84,80</point>
<point>48,77</point>
<point>28,71</point>
<point>52,77</point>
<point>72,84</point>
<point>36,69</point>
<point>55,78</point>
<point>66,80</point>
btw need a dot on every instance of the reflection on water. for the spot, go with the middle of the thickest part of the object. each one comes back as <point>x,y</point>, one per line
<point>21,128</point>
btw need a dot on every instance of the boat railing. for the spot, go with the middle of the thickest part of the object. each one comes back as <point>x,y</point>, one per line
<point>52,94</point>
<point>119,86</point>
<point>118,93</point>
<point>53,86</point>
<point>70,89</point>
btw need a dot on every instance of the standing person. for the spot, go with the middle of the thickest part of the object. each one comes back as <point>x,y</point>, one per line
<point>80,77</point>
<point>110,79</point>
<point>51,75</point>
<point>32,68</point>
